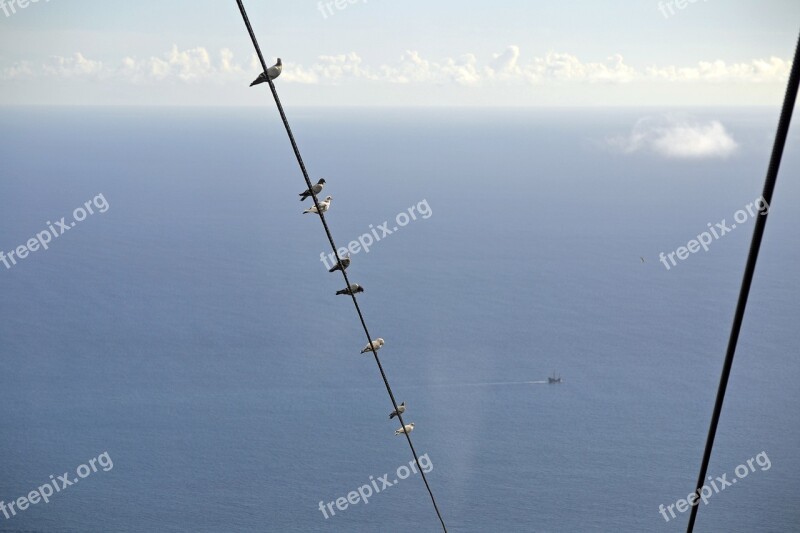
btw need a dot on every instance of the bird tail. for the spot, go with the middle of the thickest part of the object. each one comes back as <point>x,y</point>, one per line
<point>343,291</point>
<point>304,195</point>
<point>258,80</point>
<point>392,415</point>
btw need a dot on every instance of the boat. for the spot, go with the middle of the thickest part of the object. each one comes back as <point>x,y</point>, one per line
<point>554,379</point>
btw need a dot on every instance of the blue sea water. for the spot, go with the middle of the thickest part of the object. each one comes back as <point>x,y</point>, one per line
<point>192,332</point>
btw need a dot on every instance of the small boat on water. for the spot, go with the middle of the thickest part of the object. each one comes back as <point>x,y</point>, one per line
<point>554,379</point>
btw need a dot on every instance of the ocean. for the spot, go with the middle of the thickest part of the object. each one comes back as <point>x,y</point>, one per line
<point>188,329</point>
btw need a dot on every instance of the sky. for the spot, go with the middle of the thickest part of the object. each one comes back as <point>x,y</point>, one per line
<point>399,53</point>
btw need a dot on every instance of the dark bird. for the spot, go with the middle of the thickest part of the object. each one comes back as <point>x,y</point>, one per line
<point>352,289</point>
<point>400,410</point>
<point>273,72</point>
<point>642,258</point>
<point>345,262</point>
<point>316,189</point>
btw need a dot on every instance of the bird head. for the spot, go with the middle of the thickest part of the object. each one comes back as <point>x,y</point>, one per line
<point>322,180</point>
<point>279,62</point>
<point>379,340</point>
<point>403,404</point>
<point>328,198</point>
<point>411,425</point>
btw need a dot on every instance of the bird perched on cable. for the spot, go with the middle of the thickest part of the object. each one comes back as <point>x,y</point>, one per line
<point>324,205</point>
<point>400,410</point>
<point>374,346</point>
<point>316,189</point>
<point>345,262</point>
<point>408,428</point>
<point>273,72</point>
<point>352,289</point>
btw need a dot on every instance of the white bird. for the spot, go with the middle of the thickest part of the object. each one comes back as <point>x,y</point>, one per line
<point>374,346</point>
<point>273,72</point>
<point>400,410</point>
<point>324,205</point>
<point>408,428</point>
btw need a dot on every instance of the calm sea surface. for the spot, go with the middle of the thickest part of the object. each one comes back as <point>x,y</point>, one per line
<point>192,333</point>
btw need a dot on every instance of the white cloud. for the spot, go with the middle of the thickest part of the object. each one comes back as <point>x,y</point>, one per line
<point>465,70</point>
<point>677,138</point>
<point>330,69</point>
<point>190,66</point>
<point>21,70</point>
<point>772,70</point>
<point>568,68</point>
<point>505,63</point>
<point>77,65</point>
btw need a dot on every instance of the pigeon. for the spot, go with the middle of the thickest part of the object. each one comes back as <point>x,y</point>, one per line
<point>352,289</point>
<point>642,258</point>
<point>273,72</point>
<point>345,262</point>
<point>408,428</point>
<point>400,410</point>
<point>374,346</point>
<point>323,206</point>
<point>316,189</point>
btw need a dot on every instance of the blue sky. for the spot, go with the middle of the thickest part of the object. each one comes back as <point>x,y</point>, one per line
<point>398,53</point>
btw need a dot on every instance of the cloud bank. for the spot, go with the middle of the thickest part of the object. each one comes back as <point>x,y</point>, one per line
<point>507,67</point>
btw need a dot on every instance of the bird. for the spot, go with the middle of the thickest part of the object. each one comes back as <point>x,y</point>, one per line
<point>345,262</point>
<point>352,289</point>
<point>273,72</point>
<point>324,205</point>
<point>642,258</point>
<point>374,346</point>
<point>316,189</point>
<point>400,410</point>
<point>408,428</point>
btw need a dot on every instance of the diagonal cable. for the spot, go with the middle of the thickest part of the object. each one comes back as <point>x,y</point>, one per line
<point>335,251</point>
<point>755,246</point>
